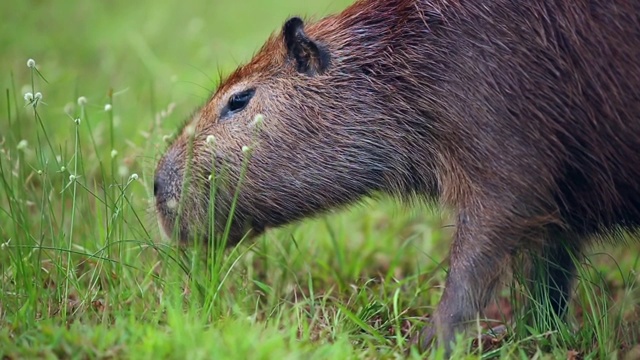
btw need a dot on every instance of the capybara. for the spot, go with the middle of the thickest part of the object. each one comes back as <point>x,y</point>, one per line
<point>523,117</point>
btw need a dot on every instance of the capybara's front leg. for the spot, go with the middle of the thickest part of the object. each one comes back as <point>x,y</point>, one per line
<point>479,255</point>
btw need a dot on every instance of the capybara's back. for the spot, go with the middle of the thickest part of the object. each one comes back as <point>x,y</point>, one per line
<point>522,116</point>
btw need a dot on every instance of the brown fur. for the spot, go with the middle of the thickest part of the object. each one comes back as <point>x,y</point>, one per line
<point>523,116</point>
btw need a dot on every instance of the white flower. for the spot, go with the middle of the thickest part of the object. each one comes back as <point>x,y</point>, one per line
<point>114,153</point>
<point>82,101</point>
<point>22,144</point>
<point>72,178</point>
<point>257,120</point>
<point>211,140</point>
<point>68,108</point>
<point>39,172</point>
<point>107,107</point>
<point>133,177</point>
<point>28,97</point>
<point>190,130</point>
<point>77,121</point>
<point>245,149</point>
<point>123,170</point>
<point>31,63</point>
<point>5,245</point>
<point>172,203</point>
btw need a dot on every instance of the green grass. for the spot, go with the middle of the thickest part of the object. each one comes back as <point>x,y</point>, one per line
<point>84,272</point>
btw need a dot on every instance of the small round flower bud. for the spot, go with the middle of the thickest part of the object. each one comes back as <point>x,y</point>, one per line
<point>68,108</point>
<point>123,170</point>
<point>31,63</point>
<point>107,107</point>
<point>114,153</point>
<point>22,144</point>
<point>82,101</point>
<point>28,97</point>
<point>257,120</point>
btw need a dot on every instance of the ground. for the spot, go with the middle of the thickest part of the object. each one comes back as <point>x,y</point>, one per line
<point>84,272</point>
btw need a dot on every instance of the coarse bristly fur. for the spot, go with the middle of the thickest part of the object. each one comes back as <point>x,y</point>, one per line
<point>523,116</point>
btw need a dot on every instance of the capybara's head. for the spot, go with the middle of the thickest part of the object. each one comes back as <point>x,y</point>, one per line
<point>300,128</point>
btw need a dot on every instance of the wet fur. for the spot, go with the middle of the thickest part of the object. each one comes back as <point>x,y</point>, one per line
<point>523,116</point>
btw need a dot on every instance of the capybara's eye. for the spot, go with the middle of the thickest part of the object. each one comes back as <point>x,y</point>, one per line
<point>238,101</point>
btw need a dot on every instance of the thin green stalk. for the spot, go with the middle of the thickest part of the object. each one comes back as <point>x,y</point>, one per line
<point>73,179</point>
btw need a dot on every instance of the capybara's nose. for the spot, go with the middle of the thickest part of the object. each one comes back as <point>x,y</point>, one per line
<point>161,181</point>
<point>167,180</point>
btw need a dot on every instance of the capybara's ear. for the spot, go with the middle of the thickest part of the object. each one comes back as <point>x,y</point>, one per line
<point>310,57</point>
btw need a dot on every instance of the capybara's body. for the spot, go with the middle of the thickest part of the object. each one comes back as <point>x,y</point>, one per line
<point>522,116</point>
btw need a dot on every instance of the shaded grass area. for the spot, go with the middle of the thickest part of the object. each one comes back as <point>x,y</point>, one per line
<point>84,272</point>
